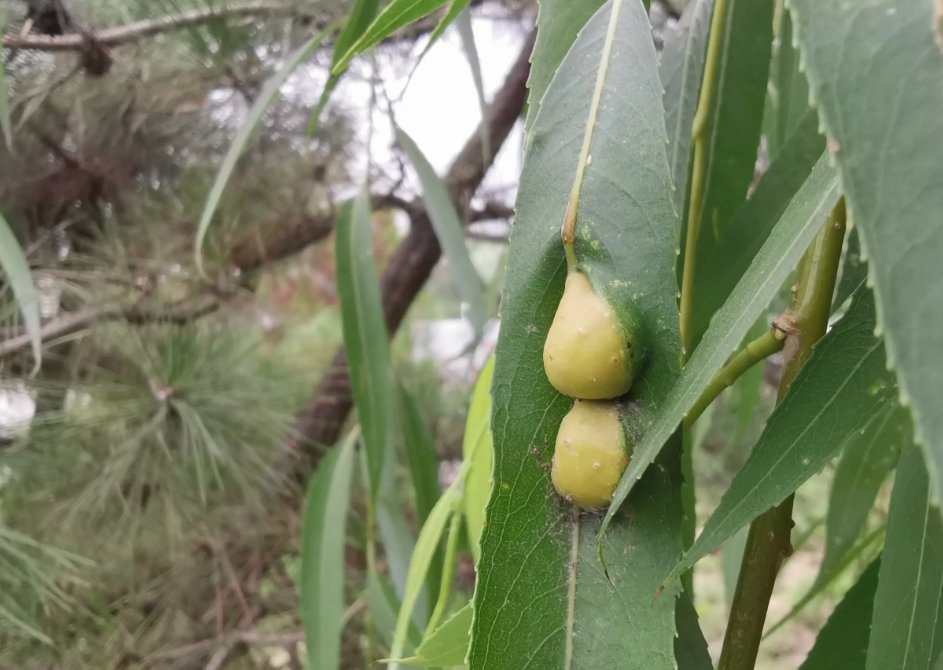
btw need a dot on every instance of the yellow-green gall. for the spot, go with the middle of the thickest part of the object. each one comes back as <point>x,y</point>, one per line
<point>589,457</point>
<point>588,353</point>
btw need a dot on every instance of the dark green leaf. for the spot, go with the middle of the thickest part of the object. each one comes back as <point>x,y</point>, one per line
<point>879,97</point>
<point>558,23</point>
<point>261,104</point>
<point>787,71</point>
<point>323,537</point>
<point>831,400</point>
<point>681,69</point>
<point>854,270</point>
<point>395,532</point>
<point>772,264</point>
<point>731,557</point>
<point>720,265</point>
<point>733,127</point>
<point>365,340</point>
<point>843,642</point>
<point>865,462</point>
<point>423,466</point>
<point>477,450</point>
<point>384,605</point>
<point>14,264</point>
<point>448,228</point>
<point>626,246</point>
<point>394,16</point>
<point>907,627</point>
<point>690,645</point>
<point>447,646</point>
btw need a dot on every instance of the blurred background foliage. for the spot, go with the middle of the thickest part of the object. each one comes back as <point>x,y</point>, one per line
<point>144,516</point>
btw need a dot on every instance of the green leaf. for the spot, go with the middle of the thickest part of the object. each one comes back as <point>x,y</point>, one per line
<point>843,642</point>
<point>430,536</point>
<point>455,8</point>
<point>365,339</point>
<point>360,18</point>
<point>625,243</point>
<point>323,536</point>
<point>558,23</point>
<point>690,645</point>
<point>384,605</point>
<point>907,629</point>
<point>476,450</point>
<point>394,16</point>
<point>463,22</point>
<point>879,90</point>
<point>681,70</point>
<point>423,466</point>
<point>5,105</point>
<point>447,646</point>
<point>733,127</point>
<point>720,265</point>
<point>262,102</point>
<point>830,401</point>
<point>854,270</point>
<point>865,462</point>
<point>750,383</point>
<point>772,264</point>
<point>395,532</point>
<point>731,558</point>
<point>788,109</point>
<point>448,228</point>
<point>14,264</point>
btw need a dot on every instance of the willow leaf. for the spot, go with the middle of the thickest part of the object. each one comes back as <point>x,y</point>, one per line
<point>14,264</point>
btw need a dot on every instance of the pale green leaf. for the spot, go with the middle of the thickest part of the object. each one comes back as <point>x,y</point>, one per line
<point>526,616</point>
<point>772,264</point>
<point>681,70</point>
<point>365,339</point>
<point>842,643</point>
<point>476,449</point>
<point>430,535</point>
<point>16,268</point>
<point>907,626</point>
<point>266,96</point>
<point>323,536</point>
<point>384,606</point>
<point>463,23</point>
<point>394,16</point>
<point>865,462</point>
<point>447,646</point>
<point>558,23</point>
<point>395,532</point>
<point>876,73</point>
<point>448,228</point>
<point>830,401</point>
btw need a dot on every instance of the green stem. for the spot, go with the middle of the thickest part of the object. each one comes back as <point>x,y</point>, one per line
<point>448,571</point>
<point>768,543</point>
<point>759,349</point>
<point>696,203</point>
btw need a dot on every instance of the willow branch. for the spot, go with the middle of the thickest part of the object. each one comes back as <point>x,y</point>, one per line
<point>768,543</point>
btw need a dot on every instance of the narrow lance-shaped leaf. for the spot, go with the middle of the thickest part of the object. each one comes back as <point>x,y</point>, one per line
<point>865,462</point>
<point>384,606</point>
<point>365,339</point>
<point>831,400</point>
<point>463,22</point>
<point>732,132</point>
<point>843,642</point>
<point>476,450</point>
<point>854,270</point>
<point>690,646</point>
<point>360,18</point>
<point>323,536</point>
<point>527,614</point>
<point>423,467</point>
<point>879,91</point>
<point>5,103</point>
<point>722,264</point>
<point>907,626</point>
<point>558,23</point>
<point>261,104</point>
<point>448,228</point>
<point>681,70</point>
<point>769,269</point>
<point>447,646</point>
<point>14,264</point>
<point>394,16</point>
